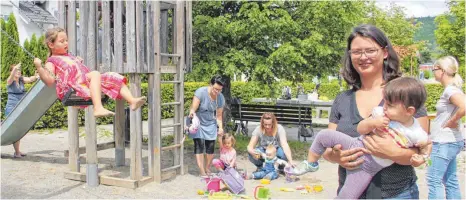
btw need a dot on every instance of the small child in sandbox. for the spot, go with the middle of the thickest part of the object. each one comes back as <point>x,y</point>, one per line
<point>270,169</point>
<point>227,152</point>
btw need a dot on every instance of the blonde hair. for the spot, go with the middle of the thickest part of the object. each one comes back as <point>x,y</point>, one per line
<point>228,136</point>
<point>268,116</point>
<point>450,67</point>
<point>271,149</point>
<point>51,35</point>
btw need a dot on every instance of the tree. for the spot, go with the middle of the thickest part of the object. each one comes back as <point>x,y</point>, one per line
<point>12,53</point>
<point>451,32</point>
<point>271,40</point>
<point>400,31</point>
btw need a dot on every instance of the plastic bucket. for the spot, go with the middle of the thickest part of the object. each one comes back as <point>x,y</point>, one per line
<point>213,184</point>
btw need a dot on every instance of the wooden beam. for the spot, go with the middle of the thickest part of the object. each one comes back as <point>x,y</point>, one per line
<point>100,147</point>
<point>77,176</point>
<point>168,69</point>
<point>144,181</point>
<point>125,183</point>
<point>175,146</point>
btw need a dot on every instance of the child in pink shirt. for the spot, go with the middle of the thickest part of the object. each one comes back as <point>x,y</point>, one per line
<point>227,153</point>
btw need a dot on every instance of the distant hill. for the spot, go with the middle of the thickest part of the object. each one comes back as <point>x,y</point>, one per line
<point>426,31</point>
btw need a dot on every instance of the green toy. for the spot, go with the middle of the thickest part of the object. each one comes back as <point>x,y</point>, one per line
<point>261,193</point>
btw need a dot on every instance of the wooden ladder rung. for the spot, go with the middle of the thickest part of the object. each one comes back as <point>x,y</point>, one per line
<point>171,147</point>
<point>171,82</point>
<point>171,168</point>
<point>170,55</point>
<point>168,69</point>
<point>171,103</point>
<point>171,125</point>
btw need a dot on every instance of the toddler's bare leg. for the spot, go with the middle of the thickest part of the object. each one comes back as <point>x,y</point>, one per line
<point>95,81</point>
<point>134,103</point>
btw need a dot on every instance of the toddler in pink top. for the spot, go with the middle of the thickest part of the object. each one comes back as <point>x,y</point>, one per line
<point>227,153</point>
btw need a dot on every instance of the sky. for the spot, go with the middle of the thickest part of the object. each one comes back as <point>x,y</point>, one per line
<point>418,8</point>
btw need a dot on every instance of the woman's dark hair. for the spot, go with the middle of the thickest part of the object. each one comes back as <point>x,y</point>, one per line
<point>217,79</point>
<point>391,65</point>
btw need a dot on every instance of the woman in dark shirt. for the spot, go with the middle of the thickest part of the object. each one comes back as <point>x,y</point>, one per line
<point>15,86</point>
<point>370,61</point>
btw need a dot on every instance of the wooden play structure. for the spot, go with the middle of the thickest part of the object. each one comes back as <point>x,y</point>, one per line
<point>135,38</point>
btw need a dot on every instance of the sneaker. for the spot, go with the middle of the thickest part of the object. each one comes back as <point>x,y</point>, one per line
<point>305,167</point>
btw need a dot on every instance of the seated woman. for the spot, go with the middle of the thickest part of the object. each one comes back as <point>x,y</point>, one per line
<point>268,133</point>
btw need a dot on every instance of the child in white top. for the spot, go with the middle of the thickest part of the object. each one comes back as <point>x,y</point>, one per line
<point>402,97</point>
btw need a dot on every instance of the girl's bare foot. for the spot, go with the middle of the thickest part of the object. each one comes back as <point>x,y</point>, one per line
<point>137,102</point>
<point>102,112</point>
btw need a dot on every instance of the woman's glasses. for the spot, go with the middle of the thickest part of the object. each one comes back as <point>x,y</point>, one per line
<point>370,53</point>
<point>436,68</point>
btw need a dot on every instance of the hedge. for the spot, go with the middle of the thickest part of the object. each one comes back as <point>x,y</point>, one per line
<point>56,116</point>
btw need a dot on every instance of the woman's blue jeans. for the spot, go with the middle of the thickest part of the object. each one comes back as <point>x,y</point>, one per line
<point>441,176</point>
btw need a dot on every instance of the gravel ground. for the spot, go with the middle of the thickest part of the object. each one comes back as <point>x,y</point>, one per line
<point>40,175</point>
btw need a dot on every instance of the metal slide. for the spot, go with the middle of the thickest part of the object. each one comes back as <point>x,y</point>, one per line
<point>28,111</point>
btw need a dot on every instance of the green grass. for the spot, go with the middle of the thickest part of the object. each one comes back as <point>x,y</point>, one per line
<point>298,149</point>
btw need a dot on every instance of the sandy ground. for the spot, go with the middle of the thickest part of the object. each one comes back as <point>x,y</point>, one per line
<point>40,175</point>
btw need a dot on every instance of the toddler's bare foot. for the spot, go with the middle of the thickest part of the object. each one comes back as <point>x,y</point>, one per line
<point>137,102</point>
<point>102,112</point>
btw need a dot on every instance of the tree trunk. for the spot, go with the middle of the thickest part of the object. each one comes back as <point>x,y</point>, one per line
<point>227,107</point>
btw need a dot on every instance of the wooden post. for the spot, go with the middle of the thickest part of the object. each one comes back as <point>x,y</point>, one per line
<point>61,14</point>
<point>130,37</point>
<point>189,40</point>
<point>92,177</point>
<point>164,35</point>
<point>119,132</point>
<point>150,92</point>
<point>84,26</point>
<point>135,131</point>
<point>118,36</point>
<point>73,139</point>
<point>157,96</point>
<point>179,88</point>
<point>140,27</point>
<point>73,127</point>
<point>106,38</point>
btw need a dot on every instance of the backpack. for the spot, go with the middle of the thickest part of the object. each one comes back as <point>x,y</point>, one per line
<point>232,179</point>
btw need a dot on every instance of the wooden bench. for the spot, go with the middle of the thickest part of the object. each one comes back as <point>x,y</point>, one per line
<point>286,114</point>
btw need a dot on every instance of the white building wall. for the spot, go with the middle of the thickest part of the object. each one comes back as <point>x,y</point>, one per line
<point>25,28</point>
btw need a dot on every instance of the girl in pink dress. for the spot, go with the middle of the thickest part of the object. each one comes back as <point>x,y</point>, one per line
<point>227,153</point>
<point>70,73</point>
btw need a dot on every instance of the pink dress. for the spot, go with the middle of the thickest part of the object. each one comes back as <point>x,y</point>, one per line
<point>71,73</point>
